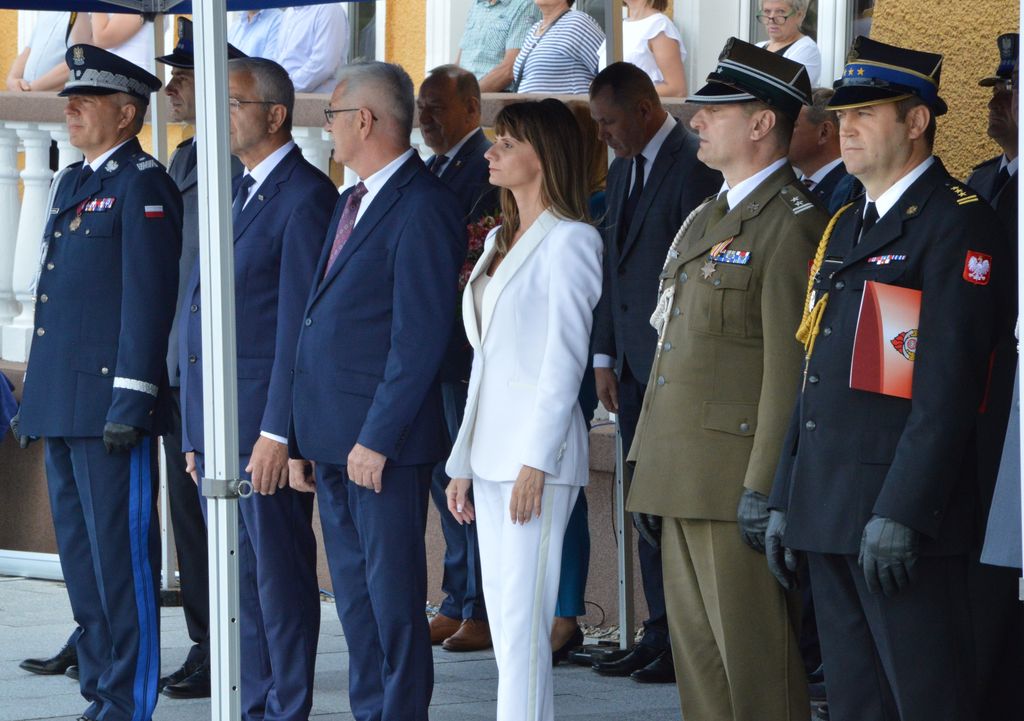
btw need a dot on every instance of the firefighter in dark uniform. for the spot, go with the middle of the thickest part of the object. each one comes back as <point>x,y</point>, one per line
<point>96,385</point>
<point>879,491</point>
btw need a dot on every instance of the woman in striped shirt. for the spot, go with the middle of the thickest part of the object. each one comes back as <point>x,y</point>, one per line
<point>559,54</point>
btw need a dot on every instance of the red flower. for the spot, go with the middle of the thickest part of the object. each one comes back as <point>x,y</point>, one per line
<point>477,234</point>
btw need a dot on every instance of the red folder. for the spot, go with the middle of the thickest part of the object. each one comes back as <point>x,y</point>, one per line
<point>885,343</point>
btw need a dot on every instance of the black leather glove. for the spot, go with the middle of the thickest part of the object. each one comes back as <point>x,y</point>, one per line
<point>649,528</point>
<point>888,551</point>
<point>23,441</point>
<point>118,437</point>
<point>752,515</point>
<point>782,562</point>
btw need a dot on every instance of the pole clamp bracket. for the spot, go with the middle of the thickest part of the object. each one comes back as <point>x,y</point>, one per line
<point>233,488</point>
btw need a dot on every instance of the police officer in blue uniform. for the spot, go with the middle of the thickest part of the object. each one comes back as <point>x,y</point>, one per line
<point>96,385</point>
<point>879,491</point>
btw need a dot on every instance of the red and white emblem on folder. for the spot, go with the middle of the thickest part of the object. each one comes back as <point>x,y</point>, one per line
<point>977,267</point>
<point>885,344</point>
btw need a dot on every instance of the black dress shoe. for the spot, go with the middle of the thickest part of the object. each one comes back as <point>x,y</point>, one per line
<point>575,641</point>
<point>184,671</point>
<point>67,656</point>
<point>821,713</point>
<point>635,660</point>
<point>72,672</point>
<point>195,686</point>
<point>660,670</point>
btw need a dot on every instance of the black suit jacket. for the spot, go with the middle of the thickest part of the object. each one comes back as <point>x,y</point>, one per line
<point>468,176</point>
<point>677,184</point>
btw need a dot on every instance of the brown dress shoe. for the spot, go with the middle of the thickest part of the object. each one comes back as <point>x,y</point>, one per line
<point>473,635</point>
<point>441,627</point>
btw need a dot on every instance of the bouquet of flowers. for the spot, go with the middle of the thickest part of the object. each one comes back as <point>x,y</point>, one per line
<point>477,233</point>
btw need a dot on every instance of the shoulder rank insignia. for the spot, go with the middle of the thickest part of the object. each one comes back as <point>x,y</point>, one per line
<point>146,164</point>
<point>111,166</point>
<point>963,197</point>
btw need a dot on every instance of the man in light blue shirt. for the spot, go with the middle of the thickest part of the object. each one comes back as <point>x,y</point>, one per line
<point>313,45</point>
<point>255,32</point>
<point>494,32</point>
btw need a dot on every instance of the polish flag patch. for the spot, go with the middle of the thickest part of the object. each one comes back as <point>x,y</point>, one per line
<point>977,268</point>
<point>154,211</point>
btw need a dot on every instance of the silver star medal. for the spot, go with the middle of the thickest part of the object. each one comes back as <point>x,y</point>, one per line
<point>708,269</point>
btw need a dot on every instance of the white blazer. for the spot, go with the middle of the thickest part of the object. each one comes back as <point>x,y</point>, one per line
<point>529,354</point>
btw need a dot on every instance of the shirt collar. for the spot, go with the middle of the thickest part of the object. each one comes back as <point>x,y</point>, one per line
<point>735,196</point>
<point>1010,165</point>
<point>97,163</point>
<point>454,150</point>
<point>266,166</point>
<point>890,197</point>
<point>377,180</point>
<point>824,170</point>
<point>650,151</point>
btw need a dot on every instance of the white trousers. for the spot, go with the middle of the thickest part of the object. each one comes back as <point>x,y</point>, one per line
<point>520,566</point>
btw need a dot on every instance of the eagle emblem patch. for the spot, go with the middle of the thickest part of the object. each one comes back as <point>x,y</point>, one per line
<point>906,343</point>
<point>977,267</point>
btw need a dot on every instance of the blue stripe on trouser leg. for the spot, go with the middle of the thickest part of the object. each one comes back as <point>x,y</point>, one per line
<point>139,506</point>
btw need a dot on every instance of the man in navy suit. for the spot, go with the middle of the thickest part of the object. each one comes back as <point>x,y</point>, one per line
<point>192,678</point>
<point>96,385</point>
<point>366,404</point>
<point>654,182</point>
<point>449,115</point>
<point>814,150</point>
<point>280,213</point>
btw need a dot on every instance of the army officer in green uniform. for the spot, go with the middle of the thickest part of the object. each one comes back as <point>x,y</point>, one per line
<point>721,392</point>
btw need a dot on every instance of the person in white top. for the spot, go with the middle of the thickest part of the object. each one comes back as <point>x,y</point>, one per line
<point>783,20</point>
<point>127,35</point>
<point>312,45</point>
<point>652,42</point>
<point>41,66</point>
<point>522,444</point>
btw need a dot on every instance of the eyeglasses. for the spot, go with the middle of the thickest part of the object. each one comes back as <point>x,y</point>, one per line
<point>773,19</point>
<point>329,113</point>
<point>236,104</point>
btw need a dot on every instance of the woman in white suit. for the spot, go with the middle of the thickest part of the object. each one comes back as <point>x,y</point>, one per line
<point>528,310</point>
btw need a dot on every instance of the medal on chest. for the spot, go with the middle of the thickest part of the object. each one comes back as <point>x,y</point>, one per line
<point>77,220</point>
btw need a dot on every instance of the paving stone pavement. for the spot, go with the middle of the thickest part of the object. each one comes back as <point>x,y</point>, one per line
<point>35,620</point>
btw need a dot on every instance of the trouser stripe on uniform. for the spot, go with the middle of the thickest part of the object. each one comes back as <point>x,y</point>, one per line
<point>538,601</point>
<point>139,510</point>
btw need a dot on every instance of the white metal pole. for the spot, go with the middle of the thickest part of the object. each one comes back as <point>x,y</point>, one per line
<point>624,544</point>
<point>220,393</point>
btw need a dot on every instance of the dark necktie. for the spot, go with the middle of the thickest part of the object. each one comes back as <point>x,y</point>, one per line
<point>632,200</point>
<point>83,176</point>
<point>808,183</point>
<point>869,220</point>
<point>345,224</point>
<point>1001,180</point>
<point>240,197</point>
<point>439,164</point>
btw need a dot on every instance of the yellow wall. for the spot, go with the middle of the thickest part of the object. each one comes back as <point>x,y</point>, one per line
<point>406,36</point>
<point>8,42</point>
<point>970,53</point>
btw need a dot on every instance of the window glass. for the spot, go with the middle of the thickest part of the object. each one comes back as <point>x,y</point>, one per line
<point>363,26</point>
<point>861,12</point>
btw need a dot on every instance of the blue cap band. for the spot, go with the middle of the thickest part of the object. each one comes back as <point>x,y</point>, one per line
<point>879,75</point>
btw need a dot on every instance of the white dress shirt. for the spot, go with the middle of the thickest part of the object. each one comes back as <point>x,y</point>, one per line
<point>312,45</point>
<point>98,162</point>
<point>737,194</point>
<point>892,196</point>
<point>378,180</point>
<point>264,168</point>
<point>453,151</point>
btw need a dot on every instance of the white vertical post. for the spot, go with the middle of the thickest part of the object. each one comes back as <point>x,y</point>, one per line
<point>624,544</point>
<point>17,337</point>
<point>220,406</point>
<point>316,146</point>
<point>10,209</point>
<point>66,152</point>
